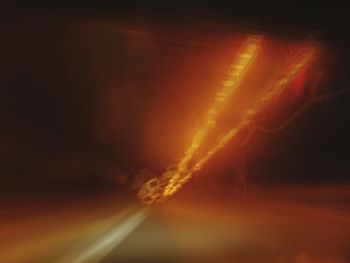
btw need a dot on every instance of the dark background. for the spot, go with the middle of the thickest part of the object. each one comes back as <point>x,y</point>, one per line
<point>50,93</point>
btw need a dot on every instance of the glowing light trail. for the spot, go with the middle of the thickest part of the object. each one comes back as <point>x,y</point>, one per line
<point>235,74</point>
<point>158,189</point>
<point>276,89</point>
<point>108,242</point>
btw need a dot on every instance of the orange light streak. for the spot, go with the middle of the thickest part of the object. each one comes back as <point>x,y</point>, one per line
<point>159,189</point>
<point>235,74</point>
<point>277,88</point>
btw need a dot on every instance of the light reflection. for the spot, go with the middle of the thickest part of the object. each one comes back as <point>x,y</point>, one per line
<point>109,241</point>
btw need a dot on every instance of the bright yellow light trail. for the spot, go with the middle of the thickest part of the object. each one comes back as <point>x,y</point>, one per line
<point>235,74</point>
<point>303,61</point>
<point>158,189</point>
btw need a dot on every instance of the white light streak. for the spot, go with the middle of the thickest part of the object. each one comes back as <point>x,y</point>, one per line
<point>113,238</point>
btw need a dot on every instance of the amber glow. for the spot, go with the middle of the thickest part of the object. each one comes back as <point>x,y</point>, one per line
<point>304,59</point>
<point>276,89</point>
<point>235,74</point>
<point>171,181</point>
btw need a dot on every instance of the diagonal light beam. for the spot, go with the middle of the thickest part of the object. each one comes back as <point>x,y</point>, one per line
<point>99,249</point>
<point>236,73</point>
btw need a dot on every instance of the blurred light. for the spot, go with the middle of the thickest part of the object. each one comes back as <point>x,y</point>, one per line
<point>102,247</point>
<point>238,69</point>
<point>276,89</point>
<point>171,181</point>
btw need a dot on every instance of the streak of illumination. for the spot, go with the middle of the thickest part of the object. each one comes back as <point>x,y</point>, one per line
<point>158,189</point>
<point>303,61</point>
<point>113,238</point>
<point>236,72</point>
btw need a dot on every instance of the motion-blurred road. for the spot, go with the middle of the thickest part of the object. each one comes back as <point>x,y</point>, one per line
<point>297,225</point>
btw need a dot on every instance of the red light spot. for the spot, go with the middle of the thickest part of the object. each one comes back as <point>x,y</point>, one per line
<point>299,83</point>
